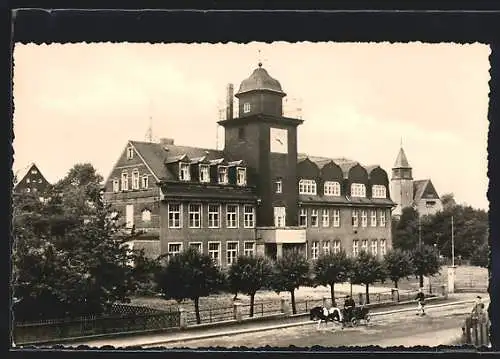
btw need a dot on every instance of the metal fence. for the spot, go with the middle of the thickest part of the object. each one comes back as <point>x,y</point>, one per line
<point>123,320</point>
<point>476,330</point>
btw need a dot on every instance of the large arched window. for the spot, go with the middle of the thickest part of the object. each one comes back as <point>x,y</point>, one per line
<point>307,186</point>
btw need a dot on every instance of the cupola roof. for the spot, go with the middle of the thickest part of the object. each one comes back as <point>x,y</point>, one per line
<point>260,80</point>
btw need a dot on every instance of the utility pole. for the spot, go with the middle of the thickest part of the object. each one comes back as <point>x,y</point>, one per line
<point>452,244</point>
<point>419,232</point>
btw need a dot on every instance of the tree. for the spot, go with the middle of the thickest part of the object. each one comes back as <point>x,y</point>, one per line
<point>291,271</point>
<point>332,268</point>
<point>249,274</point>
<point>367,269</point>
<point>70,259</point>
<point>190,275</point>
<point>448,201</point>
<point>481,256</point>
<point>398,265</point>
<point>426,262</point>
<point>405,230</point>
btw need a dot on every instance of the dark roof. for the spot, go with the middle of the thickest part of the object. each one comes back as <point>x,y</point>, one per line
<point>260,80</point>
<point>401,160</point>
<point>345,201</point>
<point>423,187</point>
<point>344,163</point>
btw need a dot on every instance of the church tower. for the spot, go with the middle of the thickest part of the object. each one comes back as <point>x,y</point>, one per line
<point>267,142</point>
<point>401,183</point>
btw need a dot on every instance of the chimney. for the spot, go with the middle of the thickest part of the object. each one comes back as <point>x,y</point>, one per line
<point>229,102</point>
<point>166,141</point>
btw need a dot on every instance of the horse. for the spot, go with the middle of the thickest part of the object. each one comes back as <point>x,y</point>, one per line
<point>323,314</point>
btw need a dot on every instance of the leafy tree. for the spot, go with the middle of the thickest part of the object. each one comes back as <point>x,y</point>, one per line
<point>405,233</point>
<point>448,201</point>
<point>332,268</point>
<point>291,271</point>
<point>367,269</point>
<point>190,275</point>
<point>398,264</point>
<point>69,258</point>
<point>249,274</point>
<point>481,256</point>
<point>426,262</point>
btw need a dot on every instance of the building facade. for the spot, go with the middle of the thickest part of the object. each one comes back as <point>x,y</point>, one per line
<point>256,196</point>
<point>407,192</point>
<point>31,180</point>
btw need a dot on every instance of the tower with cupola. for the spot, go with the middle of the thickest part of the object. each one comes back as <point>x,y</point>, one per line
<point>401,183</point>
<point>267,141</point>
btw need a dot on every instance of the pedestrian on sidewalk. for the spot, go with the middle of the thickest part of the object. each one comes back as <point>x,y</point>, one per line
<point>420,298</point>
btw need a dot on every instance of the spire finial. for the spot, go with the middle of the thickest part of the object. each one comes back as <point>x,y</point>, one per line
<point>401,142</point>
<point>260,59</point>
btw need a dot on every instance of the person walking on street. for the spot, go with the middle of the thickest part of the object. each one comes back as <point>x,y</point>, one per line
<point>349,306</point>
<point>420,298</point>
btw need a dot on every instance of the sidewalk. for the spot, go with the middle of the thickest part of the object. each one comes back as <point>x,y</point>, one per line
<point>223,330</point>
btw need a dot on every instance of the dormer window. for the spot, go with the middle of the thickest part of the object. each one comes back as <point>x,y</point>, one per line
<point>331,188</point>
<point>184,172</point>
<point>379,191</point>
<point>135,179</point>
<point>241,176</point>
<point>222,172</point>
<point>124,181</point>
<point>246,107</point>
<point>130,153</point>
<point>307,187</point>
<point>204,173</point>
<point>358,190</point>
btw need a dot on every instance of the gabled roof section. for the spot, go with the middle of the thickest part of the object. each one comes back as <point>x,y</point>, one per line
<point>237,163</point>
<point>370,168</point>
<point>424,189</point>
<point>401,160</point>
<point>178,158</point>
<point>200,160</point>
<point>219,161</point>
<point>23,172</point>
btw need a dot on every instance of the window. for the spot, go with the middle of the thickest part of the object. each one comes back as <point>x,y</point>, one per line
<point>326,247</point>
<point>130,153</point>
<point>241,133</point>
<point>213,216</point>
<point>174,215</point>
<point>314,217</point>
<point>146,215</point>
<point>279,216</point>
<point>364,245</point>
<point>194,215</point>
<point>315,250</point>
<point>358,190</point>
<point>355,248</point>
<point>145,181</point>
<point>355,221</point>
<point>249,249</point>
<point>430,204</point>
<point>204,173</point>
<point>135,179</point>
<point>174,249</point>
<point>232,252</point>
<point>278,186</point>
<point>28,180</point>
<point>184,172</point>
<point>249,216</point>
<point>34,172</point>
<point>246,107</point>
<point>241,178</point>
<point>378,191</point>
<point>116,185</point>
<point>364,218</point>
<point>232,216</point>
<point>374,247</point>
<point>336,246</point>
<point>124,181</point>
<point>40,181</point>
<point>214,251</point>
<point>28,190</point>
<point>382,218</point>
<point>382,247</point>
<point>303,217</point>
<point>129,216</point>
<point>222,175</point>
<point>307,187</point>
<point>336,218</point>
<point>197,246</point>
<point>326,218</point>
<point>331,188</point>
<point>373,218</point>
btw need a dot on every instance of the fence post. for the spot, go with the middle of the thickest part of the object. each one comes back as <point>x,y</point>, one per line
<point>182,317</point>
<point>285,307</point>
<point>238,315</point>
<point>444,292</point>
<point>394,294</point>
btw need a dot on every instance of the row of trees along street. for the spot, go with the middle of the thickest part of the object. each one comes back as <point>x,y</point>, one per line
<point>470,231</point>
<point>70,258</point>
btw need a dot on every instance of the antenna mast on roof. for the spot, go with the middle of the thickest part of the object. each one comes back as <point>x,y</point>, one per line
<point>149,132</point>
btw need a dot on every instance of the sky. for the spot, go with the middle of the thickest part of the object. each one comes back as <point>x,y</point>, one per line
<point>78,103</point>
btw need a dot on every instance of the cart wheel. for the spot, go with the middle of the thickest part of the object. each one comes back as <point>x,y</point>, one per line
<point>354,322</point>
